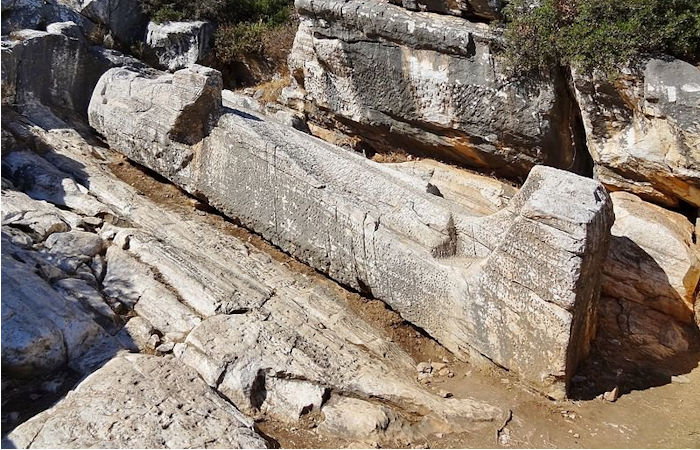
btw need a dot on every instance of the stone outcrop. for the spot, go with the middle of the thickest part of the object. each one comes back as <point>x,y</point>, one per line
<point>427,84</point>
<point>38,14</point>
<point>478,9</point>
<point>176,45</point>
<point>56,67</point>
<point>652,258</point>
<point>642,131</point>
<point>184,286</point>
<point>124,19</point>
<point>139,401</point>
<point>534,265</point>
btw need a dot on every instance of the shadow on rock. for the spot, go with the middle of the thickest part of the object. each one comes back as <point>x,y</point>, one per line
<point>58,325</point>
<point>637,346</point>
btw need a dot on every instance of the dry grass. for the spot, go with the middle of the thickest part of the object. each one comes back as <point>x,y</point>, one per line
<point>272,89</point>
<point>97,34</point>
<point>393,157</point>
<point>277,43</point>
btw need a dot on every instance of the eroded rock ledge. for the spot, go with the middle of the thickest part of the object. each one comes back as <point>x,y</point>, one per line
<point>509,285</point>
<point>429,84</point>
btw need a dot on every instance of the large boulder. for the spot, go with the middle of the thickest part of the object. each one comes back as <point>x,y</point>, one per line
<point>652,258</point>
<point>458,275</point>
<point>139,401</point>
<point>642,130</point>
<point>38,14</point>
<point>176,45</point>
<point>56,67</point>
<point>125,19</point>
<point>428,84</point>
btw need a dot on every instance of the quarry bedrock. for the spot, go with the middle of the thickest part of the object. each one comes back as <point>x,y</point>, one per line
<point>429,84</point>
<point>519,286</point>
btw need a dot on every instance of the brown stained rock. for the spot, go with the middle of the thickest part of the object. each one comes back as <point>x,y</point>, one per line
<point>642,130</point>
<point>652,258</point>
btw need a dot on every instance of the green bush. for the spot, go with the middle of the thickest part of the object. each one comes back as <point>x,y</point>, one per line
<point>243,26</point>
<point>232,41</point>
<point>599,34</point>
<point>272,12</point>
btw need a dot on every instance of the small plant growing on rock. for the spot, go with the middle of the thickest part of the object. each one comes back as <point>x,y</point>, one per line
<point>245,28</point>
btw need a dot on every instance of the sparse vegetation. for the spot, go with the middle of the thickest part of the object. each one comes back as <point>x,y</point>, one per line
<point>599,34</point>
<point>272,89</point>
<point>245,28</point>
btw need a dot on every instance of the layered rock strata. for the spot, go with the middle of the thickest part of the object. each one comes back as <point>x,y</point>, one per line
<point>518,286</point>
<point>428,84</point>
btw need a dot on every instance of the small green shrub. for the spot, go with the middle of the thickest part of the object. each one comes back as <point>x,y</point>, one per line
<point>599,34</point>
<point>257,28</point>
<point>233,41</point>
<point>221,11</point>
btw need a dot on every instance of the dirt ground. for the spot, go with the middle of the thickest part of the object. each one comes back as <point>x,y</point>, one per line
<point>660,409</point>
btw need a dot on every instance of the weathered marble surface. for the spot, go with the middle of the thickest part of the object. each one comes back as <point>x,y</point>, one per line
<point>455,274</point>
<point>643,130</point>
<point>428,84</point>
<point>56,67</point>
<point>139,401</point>
<point>179,282</point>
<point>176,45</point>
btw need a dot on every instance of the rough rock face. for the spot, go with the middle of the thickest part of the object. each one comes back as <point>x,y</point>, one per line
<point>124,18</point>
<point>176,45</point>
<point>652,258</point>
<point>457,275</point>
<point>643,132</point>
<point>278,343</point>
<point>428,84</point>
<point>24,75</point>
<point>38,14</point>
<point>481,9</point>
<point>139,401</point>
<point>55,67</point>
